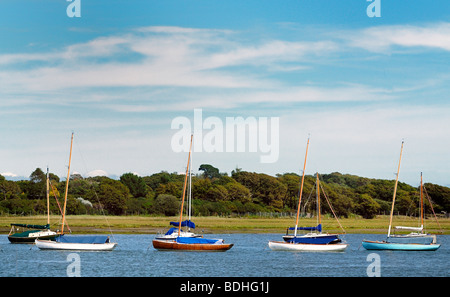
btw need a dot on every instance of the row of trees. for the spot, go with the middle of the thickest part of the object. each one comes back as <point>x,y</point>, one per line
<point>215,193</point>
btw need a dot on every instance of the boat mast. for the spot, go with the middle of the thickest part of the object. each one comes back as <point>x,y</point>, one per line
<point>395,191</point>
<point>421,202</point>
<point>318,199</point>
<point>67,186</point>
<point>184,187</point>
<point>301,189</point>
<point>48,199</point>
<point>190,194</point>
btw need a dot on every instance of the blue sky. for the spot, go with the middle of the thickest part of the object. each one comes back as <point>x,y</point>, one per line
<point>121,73</point>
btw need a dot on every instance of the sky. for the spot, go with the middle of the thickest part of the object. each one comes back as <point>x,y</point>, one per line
<point>133,79</point>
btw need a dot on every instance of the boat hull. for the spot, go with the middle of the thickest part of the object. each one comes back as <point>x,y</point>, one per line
<point>306,247</point>
<point>54,245</point>
<point>313,239</point>
<point>383,245</point>
<point>31,239</point>
<point>166,245</point>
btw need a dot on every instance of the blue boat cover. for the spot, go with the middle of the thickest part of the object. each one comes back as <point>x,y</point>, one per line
<point>192,240</point>
<point>83,239</point>
<point>318,228</point>
<point>315,239</point>
<point>171,230</point>
<point>185,223</point>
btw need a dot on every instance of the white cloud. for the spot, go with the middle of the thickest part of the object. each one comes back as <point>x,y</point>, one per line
<point>318,94</point>
<point>384,38</point>
<point>97,172</point>
<point>9,174</point>
<point>268,53</point>
<point>206,58</point>
<point>172,69</point>
<point>180,57</point>
<point>189,57</point>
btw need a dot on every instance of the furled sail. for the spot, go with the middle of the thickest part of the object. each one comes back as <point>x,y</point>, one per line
<point>185,223</point>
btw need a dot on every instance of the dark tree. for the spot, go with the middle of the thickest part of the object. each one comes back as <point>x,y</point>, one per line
<point>209,171</point>
<point>135,184</point>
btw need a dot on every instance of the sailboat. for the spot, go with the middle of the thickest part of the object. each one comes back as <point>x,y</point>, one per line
<point>314,240</point>
<point>173,232</point>
<point>315,235</point>
<point>74,242</point>
<point>33,232</point>
<point>189,243</point>
<point>417,235</point>
<point>414,241</point>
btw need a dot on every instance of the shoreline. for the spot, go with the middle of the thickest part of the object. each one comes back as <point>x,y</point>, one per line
<point>94,224</point>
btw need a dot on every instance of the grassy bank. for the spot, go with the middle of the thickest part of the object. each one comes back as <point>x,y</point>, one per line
<point>151,225</point>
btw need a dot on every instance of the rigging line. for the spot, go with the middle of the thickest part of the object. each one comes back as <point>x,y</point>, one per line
<point>103,212</point>
<point>431,204</point>
<point>307,201</point>
<point>59,205</point>
<point>332,210</point>
<point>95,192</point>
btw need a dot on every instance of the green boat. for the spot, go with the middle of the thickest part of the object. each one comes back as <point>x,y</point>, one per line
<point>24,233</point>
<point>27,233</point>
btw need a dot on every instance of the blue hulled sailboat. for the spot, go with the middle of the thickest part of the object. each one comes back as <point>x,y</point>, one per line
<point>314,240</point>
<point>415,241</point>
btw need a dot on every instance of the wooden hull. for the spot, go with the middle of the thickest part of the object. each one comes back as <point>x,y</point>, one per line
<point>54,245</point>
<point>165,245</point>
<point>307,247</point>
<point>383,245</point>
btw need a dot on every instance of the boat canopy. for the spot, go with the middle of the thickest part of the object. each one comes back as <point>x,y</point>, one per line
<point>83,239</point>
<point>318,228</point>
<point>185,223</point>
<point>192,240</point>
<point>24,234</point>
<point>32,226</point>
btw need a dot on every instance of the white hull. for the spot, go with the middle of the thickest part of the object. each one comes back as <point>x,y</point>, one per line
<point>42,233</point>
<point>54,245</point>
<point>286,246</point>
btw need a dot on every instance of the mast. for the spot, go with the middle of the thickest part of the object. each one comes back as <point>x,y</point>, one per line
<point>318,199</point>
<point>48,199</point>
<point>190,194</point>
<point>184,187</point>
<point>421,202</point>
<point>301,189</point>
<point>395,191</point>
<point>67,186</point>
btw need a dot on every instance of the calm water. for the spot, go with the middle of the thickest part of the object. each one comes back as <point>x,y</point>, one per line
<point>250,257</point>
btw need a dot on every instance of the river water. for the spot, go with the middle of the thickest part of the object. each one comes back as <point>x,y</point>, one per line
<point>250,257</point>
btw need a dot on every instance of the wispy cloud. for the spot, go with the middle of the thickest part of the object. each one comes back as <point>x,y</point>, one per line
<point>156,56</point>
<point>387,38</point>
<point>204,59</point>
<point>122,90</point>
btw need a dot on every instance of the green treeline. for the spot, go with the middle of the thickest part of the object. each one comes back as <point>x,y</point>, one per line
<point>216,193</point>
